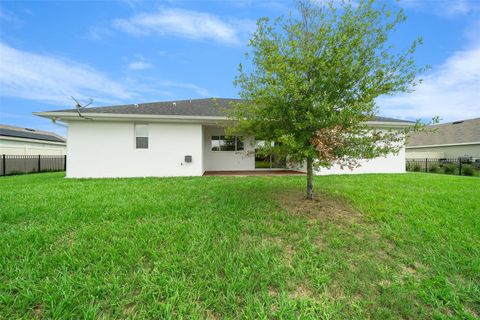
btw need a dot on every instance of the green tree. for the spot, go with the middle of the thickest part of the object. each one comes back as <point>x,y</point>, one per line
<point>313,80</point>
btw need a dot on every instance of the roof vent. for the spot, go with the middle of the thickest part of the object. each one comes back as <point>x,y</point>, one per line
<point>457,122</point>
<point>174,104</point>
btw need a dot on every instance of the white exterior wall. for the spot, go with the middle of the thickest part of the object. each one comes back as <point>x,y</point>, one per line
<point>22,147</point>
<point>101,149</point>
<point>393,163</point>
<point>389,164</point>
<point>226,160</point>
<point>107,149</point>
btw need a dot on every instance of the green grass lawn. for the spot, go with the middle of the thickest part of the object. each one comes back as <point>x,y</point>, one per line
<point>371,246</point>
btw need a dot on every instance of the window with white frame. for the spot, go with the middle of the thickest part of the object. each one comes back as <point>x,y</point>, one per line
<point>141,136</point>
<point>226,143</point>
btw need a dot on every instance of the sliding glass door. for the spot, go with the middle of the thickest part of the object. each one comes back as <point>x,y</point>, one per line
<point>272,161</point>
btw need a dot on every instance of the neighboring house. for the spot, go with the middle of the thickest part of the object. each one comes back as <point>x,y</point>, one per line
<point>448,140</point>
<point>174,138</point>
<point>26,141</point>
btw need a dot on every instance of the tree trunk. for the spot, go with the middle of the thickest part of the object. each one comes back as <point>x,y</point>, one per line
<point>309,179</point>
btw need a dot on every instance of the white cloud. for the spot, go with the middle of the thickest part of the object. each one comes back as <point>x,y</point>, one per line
<point>53,80</point>
<point>447,8</point>
<point>185,23</point>
<point>38,77</point>
<point>139,65</point>
<point>451,91</point>
<point>152,87</point>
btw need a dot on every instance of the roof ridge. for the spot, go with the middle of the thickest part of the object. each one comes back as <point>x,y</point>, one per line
<point>151,103</point>
<point>457,121</point>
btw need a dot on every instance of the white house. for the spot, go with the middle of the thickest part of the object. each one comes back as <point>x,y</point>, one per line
<point>26,141</point>
<point>174,138</point>
<point>447,140</point>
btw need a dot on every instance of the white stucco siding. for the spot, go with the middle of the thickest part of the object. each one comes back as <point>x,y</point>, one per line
<point>392,163</point>
<point>389,164</point>
<point>107,149</point>
<point>13,146</point>
<point>226,160</point>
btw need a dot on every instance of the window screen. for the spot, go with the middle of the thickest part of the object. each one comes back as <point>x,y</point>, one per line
<point>141,136</point>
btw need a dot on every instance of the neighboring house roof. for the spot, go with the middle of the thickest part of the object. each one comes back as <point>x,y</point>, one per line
<point>458,132</point>
<point>211,107</point>
<point>27,133</point>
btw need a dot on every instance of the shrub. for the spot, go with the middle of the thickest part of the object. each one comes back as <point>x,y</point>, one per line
<point>409,166</point>
<point>468,170</point>
<point>433,169</point>
<point>449,168</point>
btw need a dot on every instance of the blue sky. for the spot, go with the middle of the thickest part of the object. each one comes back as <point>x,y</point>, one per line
<point>144,51</point>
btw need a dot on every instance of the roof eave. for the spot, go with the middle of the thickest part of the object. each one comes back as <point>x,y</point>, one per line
<point>70,116</point>
<point>390,124</point>
<point>442,145</point>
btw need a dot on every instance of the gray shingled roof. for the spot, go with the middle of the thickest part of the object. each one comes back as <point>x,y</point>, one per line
<point>26,133</point>
<point>211,107</point>
<point>448,133</point>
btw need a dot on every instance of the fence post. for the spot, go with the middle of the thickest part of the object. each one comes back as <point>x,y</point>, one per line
<point>65,163</point>
<point>4,165</point>
<point>459,167</point>
<point>426,164</point>
<point>39,163</point>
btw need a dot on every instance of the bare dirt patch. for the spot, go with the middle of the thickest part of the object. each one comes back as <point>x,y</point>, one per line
<point>323,207</point>
<point>411,270</point>
<point>37,311</point>
<point>272,292</point>
<point>336,291</point>
<point>66,240</point>
<point>471,310</point>
<point>130,308</point>
<point>415,269</point>
<point>212,315</point>
<point>302,291</point>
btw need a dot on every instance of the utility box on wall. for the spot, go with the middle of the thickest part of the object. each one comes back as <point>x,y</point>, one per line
<point>188,159</point>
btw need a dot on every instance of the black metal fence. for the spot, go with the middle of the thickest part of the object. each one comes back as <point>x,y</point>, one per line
<point>460,166</point>
<point>11,164</point>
